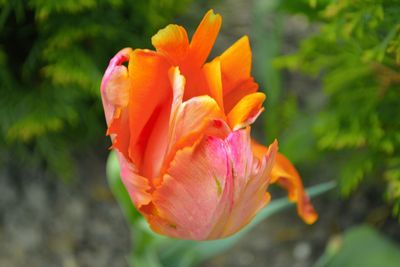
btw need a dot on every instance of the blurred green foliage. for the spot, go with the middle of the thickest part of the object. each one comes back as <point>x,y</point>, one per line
<point>360,246</point>
<point>52,56</point>
<point>356,52</point>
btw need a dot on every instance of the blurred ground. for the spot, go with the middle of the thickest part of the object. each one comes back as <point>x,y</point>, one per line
<point>45,222</point>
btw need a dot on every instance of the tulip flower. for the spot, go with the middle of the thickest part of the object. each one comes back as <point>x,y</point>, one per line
<point>181,129</point>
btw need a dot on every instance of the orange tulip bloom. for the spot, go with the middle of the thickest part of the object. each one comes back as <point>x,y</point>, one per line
<point>181,129</point>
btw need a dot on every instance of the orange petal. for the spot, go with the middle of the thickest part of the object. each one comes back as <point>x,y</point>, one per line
<point>161,134</point>
<point>246,110</point>
<point>157,143</point>
<point>286,175</point>
<point>204,38</point>
<point>149,93</point>
<point>212,73</point>
<point>195,81</point>
<point>241,90</point>
<point>173,42</point>
<point>236,64</point>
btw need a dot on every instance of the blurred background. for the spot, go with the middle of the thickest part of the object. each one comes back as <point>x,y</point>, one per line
<point>330,70</point>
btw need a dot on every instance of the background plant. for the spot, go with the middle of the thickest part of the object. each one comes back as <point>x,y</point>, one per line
<point>52,57</point>
<point>356,53</point>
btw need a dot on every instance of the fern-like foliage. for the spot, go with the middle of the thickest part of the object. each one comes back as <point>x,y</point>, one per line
<point>52,56</point>
<point>357,53</point>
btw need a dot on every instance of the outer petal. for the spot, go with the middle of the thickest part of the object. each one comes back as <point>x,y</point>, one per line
<point>286,175</point>
<point>236,64</point>
<point>192,189</point>
<point>236,73</point>
<point>212,73</point>
<point>114,74</point>
<point>136,185</point>
<point>115,89</point>
<point>246,110</point>
<point>150,94</point>
<point>204,38</point>
<point>119,131</point>
<point>173,42</point>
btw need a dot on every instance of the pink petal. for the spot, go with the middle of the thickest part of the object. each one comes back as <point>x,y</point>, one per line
<point>136,185</point>
<point>212,189</point>
<point>251,178</point>
<point>114,69</point>
<point>189,198</point>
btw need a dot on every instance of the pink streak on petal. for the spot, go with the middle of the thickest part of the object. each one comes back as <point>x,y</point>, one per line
<point>189,198</point>
<point>136,185</point>
<point>213,189</point>
<point>252,176</point>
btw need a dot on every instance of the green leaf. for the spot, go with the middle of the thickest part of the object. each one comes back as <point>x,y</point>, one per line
<point>360,246</point>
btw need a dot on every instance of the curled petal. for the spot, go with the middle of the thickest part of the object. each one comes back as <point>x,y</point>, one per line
<point>246,110</point>
<point>115,88</point>
<point>115,85</point>
<point>241,90</point>
<point>286,175</point>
